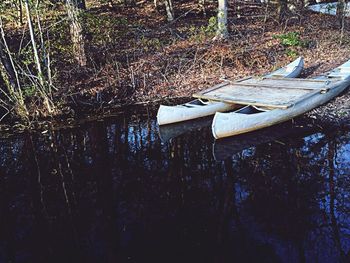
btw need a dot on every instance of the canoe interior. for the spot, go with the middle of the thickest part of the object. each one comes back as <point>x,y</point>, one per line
<point>266,92</point>
<point>249,110</point>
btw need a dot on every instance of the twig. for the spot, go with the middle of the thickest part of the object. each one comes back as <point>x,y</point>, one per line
<point>11,61</point>
<point>8,111</point>
<point>35,50</point>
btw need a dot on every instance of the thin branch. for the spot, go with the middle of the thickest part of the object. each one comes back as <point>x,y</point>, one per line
<point>35,50</point>
<point>7,112</point>
<point>11,60</point>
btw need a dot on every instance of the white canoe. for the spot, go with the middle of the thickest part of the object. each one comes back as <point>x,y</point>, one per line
<point>250,118</point>
<point>200,108</point>
<point>329,8</point>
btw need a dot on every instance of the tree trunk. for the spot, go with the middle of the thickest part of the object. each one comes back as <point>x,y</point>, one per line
<point>40,74</point>
<point>80,4</point>
<point>20,12</point>
<point>222,31</point>
<point>9,75</point>
<point>76,32</point>
<point>282,10</point>
<point>341,7</point>
<point>308,2</point>
<point>5,76</point>
<point>35,50</point>
<point>169,10</point>
<point>6,70</point>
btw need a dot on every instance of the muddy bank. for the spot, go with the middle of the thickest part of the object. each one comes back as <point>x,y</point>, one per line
<point>336,112</point>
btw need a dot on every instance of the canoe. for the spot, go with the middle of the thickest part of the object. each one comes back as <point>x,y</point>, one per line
<point>200,108</point>
<point>329,8</point>
<point>309,94</point>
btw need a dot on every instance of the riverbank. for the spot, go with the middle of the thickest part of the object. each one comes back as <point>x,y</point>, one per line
<point>334,113</point>
<point>137,58</point>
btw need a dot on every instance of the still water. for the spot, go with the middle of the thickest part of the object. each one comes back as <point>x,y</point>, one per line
<point>114,191</point>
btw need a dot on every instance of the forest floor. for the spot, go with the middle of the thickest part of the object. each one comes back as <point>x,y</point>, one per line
<point>136,57</point>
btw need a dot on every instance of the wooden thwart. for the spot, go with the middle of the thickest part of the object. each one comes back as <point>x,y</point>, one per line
<point>265,92</point>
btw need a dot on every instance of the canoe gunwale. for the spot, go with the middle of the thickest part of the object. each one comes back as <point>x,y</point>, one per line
<point>281,87</point>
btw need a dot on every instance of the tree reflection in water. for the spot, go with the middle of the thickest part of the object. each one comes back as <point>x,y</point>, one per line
<point>112,191</point>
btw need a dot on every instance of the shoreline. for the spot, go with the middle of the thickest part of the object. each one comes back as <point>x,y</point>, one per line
<point>335,113</point>
<point>165,63</point>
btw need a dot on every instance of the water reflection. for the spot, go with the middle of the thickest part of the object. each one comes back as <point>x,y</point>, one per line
<point>112,191</point>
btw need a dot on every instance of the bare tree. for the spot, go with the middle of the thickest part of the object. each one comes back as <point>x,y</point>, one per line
<point>282,9</point>
<point>76,32</point>
<point>6,70</point>
<point>80,4</point>
<point>169,10</point>
<point>308,2</point>
<point>9,76</point>
<point>341,6</point>
<point>20,11</point>
<point>341,10</point>
<point>222,31</point>
<point>35,49</point>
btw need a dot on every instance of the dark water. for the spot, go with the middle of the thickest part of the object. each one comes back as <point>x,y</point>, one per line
<point>112,191</point>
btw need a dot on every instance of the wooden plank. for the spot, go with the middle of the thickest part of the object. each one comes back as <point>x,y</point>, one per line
<point>283,87</point>
<point>308,95</point>
<point>257,95</point>
<point>280,87</point>
<point>285,83</point>
<point>300,80</point>
<point>289,84</point>
<point>238,80</point>
<point>265,92</point>
<point>261,96</point>
<point>257,103</point>
<point>242,102</point>
<point>262,93</point>
<point>243,79</point>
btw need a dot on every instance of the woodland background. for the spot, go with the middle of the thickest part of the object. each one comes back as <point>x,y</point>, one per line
<point>60,57</point>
